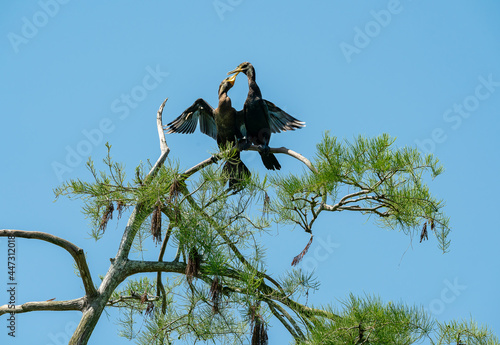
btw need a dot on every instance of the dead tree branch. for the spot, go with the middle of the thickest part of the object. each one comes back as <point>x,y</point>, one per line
<point>74,304</point>
<point>76,252</point>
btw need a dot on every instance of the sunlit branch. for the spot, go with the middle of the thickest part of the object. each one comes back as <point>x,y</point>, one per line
<point>76,252</point>
<point>163,142</point>
<point>215,157</point>
<point>365,209</point>
<point>74,304</point>
<point>289,152</point>
<point>343,200</point>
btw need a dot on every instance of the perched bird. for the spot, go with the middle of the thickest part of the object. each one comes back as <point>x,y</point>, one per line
<point>262,118</point>
<point>224,124</point>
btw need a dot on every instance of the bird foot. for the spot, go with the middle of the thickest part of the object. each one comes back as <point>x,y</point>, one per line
<point>264,149</point>
<point>243,144</point>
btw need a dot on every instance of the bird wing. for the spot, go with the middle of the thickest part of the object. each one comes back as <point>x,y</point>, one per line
<point>188,120</point>
<point>280,120</point>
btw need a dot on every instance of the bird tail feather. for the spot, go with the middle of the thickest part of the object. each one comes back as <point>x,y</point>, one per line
<point>270,161</point>
<point>236,170</point>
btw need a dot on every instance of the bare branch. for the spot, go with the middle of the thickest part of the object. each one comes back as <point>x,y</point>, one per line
<point>215,157</point>
<point>201,165</point>
<point>135,266</point>
<point>134,222</point>
<point>74,304</point>
<point>359,208</point>
<point>163,142</point>
<point>365,209</point>
<point>362,198</point>
<point>289,152</point>
<point>76,252</point>
<point>159,123</point>
<point>343,200</point>
<point>134,297</point>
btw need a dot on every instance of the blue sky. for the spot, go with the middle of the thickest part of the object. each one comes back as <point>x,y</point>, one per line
<point>75,75</point>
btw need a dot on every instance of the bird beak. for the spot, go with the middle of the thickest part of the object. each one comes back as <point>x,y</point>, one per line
<point>237,70</point>
<point>232,78</point>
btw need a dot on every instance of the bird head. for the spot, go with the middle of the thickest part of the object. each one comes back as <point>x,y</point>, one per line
<point>242,67</point>
<point>227,84</point>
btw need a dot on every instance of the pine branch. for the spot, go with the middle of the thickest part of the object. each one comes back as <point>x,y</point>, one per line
<point>291,325</point>
<point>115,274</point>
<point>224,236</point>
<point>133,267</point>
<point>139,214</point>
<point>133,297</point>
<point>160,289</point>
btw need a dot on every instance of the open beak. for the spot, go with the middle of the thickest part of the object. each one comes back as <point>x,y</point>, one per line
<point>232,78</point>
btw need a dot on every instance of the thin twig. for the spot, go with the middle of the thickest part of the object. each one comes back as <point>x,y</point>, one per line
<point>295,331</point>
<point>159,284</point>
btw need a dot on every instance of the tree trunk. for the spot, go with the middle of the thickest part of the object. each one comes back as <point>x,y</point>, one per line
<point>95,306</point>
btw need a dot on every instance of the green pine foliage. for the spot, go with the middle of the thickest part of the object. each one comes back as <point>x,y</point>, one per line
<point>464,333</point>
<point>369,321</point>
<point>370,176</point>
<point>218,287</point>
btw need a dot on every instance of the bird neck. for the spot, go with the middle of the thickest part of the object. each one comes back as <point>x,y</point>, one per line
<point>250,72</point>
<point>224,101</point>
<point>253,88</point>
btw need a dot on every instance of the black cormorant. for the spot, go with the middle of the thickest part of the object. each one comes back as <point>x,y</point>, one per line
<point>223,124</point>
<point>262,118</point>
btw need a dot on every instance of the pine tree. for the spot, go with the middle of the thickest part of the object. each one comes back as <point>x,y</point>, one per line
<point>216,285</point>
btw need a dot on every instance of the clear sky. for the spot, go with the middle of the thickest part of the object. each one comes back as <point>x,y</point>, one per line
<point>76,74</point>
